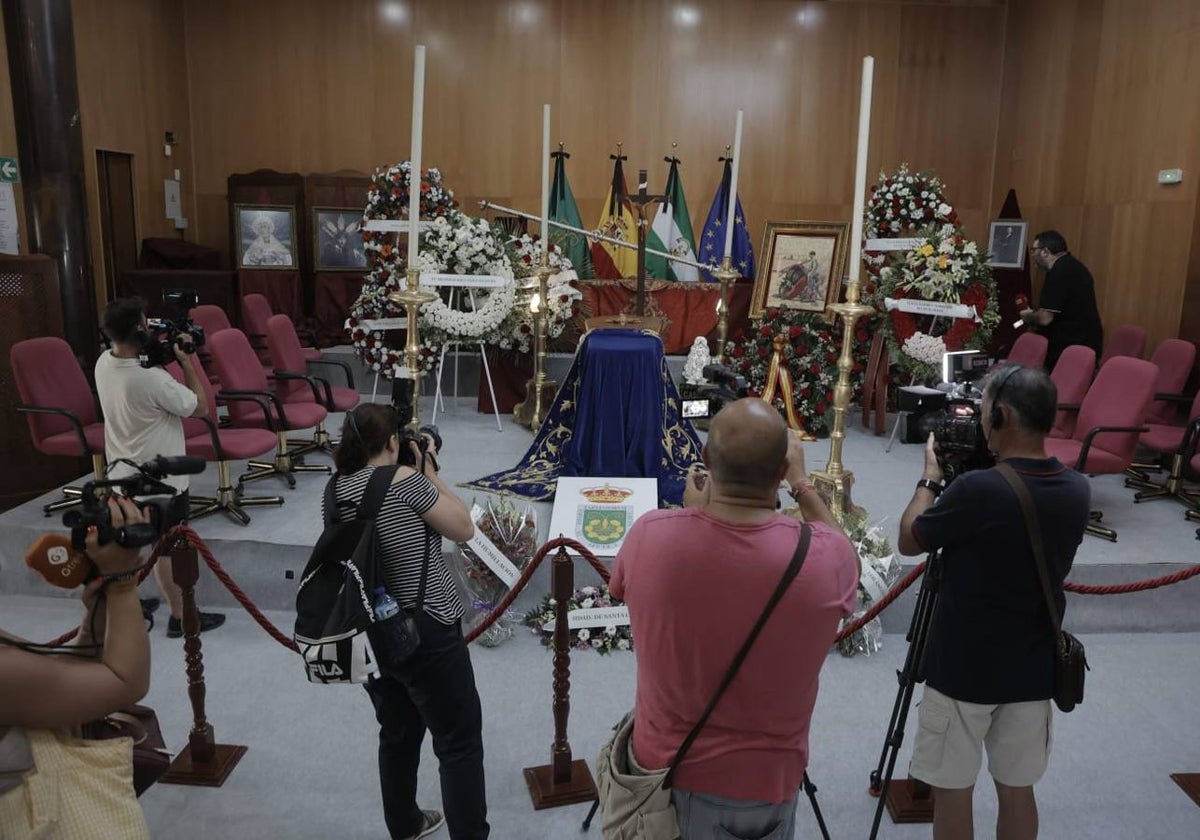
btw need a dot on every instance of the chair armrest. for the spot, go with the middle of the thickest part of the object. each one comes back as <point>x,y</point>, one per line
<point>314,382</point>
<point>61,412</point>
<point>1099,430</point>
<point>1068,406</point>
<point>1175,398</point>
<point>308,335</point>
<point>216,437</point>
<point>264,399</point>
<point>343,365</point>
<point>1191,438</point>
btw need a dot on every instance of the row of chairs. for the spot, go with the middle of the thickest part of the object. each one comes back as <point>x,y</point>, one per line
<point>263,404</point>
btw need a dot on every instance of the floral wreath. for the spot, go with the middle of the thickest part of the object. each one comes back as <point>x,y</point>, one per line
<point>599,639</point>
<point>945,268</point>
<point>517,332</point>
<point>387,198</point>
<point>902,203</point>
<point>811,351</point>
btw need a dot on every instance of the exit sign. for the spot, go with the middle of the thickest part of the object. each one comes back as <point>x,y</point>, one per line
<point>10,173</point>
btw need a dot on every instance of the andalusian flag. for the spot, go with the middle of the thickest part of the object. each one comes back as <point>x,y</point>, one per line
<point>563,209</point>
<point>617,220</point>
<point>712,241</point>
<point>672,233</point>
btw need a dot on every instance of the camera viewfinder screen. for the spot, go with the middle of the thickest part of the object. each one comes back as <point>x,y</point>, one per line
<point>695,408</point>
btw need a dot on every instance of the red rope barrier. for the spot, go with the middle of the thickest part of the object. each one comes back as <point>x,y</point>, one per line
<point>882,604</point>
<point>1133,586</point>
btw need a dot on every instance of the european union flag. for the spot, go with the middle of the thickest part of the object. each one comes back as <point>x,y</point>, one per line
<point>712,241</point>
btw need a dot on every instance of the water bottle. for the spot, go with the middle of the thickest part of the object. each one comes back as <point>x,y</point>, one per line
<point>385,604</point>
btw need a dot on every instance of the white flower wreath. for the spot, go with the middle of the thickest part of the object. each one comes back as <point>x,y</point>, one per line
<point>462,245</point>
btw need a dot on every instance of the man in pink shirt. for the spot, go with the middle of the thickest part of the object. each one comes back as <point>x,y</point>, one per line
<point>696,580</point>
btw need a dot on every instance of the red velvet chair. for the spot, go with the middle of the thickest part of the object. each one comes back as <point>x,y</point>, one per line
<point>204,439</point>
<point>1072,375</point>
<point>1110,420</point>
<point>256,311</point>
<point>1029,350</point>
<point>1174,358</point>
<point>241,376</point>
<point>58,406</point>
<point>1179,443</point>
<point>1126,340</point>
<point>295,385</point>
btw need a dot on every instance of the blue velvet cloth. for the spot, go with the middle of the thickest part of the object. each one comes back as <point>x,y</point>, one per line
<point>617,414</point>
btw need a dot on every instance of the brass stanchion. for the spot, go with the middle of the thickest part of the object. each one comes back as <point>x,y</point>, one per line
<point>834,481</point>
<point>726,275</point>
<point>540,390</point>
<point>563,781</point>
<point>411,298</point>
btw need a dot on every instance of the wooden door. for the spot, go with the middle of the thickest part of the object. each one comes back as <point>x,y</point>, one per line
<point>118,216</point>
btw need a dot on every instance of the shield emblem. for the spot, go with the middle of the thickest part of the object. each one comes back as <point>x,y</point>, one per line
<point>603,524</point>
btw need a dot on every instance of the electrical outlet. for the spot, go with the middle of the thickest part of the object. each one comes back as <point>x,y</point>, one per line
<point>1170,176</point>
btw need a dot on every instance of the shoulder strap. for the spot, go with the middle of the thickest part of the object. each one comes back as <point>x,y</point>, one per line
<point>376,492</point>
<point>1035,538</point>
<point>789,575</point>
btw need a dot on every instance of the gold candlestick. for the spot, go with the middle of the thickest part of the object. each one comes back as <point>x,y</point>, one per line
<point>539,391</point>
<point>726,275</point>
<point>835,481</point>
<point>411,298</point>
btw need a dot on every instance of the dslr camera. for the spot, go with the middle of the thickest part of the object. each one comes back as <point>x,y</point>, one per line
<point>721,386</point>
<point>425,438</point>
<point>165,511</point>
<point>156,344</point>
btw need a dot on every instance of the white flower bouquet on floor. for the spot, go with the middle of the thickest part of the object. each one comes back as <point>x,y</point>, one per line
<point>490,562</point>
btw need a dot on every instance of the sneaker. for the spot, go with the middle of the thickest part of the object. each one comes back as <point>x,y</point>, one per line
<point>208,621</point>
<point>431,821</point>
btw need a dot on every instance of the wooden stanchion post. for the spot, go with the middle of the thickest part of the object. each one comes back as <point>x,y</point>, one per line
<point>202,761</point>
<point>910,801</point>
<point>562,781</point>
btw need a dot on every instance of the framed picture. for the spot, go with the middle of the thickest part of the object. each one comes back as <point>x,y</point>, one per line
<point>801,267</point>
<point>1006,244</point>
<point>266,236</point>
<point>337,243</point>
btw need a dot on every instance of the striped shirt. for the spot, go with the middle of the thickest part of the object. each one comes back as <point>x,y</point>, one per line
<point>406,543</point>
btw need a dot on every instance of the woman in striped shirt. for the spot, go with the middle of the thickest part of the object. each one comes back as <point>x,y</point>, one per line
<point>435,688</point>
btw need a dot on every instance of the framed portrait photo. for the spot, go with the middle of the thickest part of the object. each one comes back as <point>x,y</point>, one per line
<point>266,236</point>
<point>801,266</point>
<point>337,239</point>
<point>1006,243</point>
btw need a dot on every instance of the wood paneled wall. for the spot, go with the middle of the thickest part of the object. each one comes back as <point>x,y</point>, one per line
<point>1098,96</point>
<point>310,85</point>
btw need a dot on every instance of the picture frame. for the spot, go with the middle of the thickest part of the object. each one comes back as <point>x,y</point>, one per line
<point>265,236</point>
<point>802,266</point>
<point>1006,243</point>
<point>337,239</point>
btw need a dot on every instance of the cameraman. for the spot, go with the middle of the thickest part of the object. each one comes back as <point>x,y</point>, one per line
<point>988,664</point>
<point>44,695</point>
<point>142,410</point>
<point>435,688</point>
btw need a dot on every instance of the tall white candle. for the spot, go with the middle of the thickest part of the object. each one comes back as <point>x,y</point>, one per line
<point>730,220</point>
<point>414,159</point>
<point>860,168</point>
<point>546,177</point>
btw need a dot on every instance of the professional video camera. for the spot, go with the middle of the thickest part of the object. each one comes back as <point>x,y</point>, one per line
<point>958,436</point>
<point>721,386</point>
<point>155,346</point>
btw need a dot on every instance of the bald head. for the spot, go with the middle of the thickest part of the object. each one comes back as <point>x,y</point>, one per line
<point>747,447</point>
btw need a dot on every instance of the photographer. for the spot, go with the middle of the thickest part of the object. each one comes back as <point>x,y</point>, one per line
<point>44,694</point>
<point>696,580</point>
<point>988,665</point>
<point>435,688</point>
<point>142,409</point>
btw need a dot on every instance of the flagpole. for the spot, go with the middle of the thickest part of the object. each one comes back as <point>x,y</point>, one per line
<point>730,216</point>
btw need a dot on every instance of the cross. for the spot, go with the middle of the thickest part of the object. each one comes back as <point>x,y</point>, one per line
<point>641,200</point>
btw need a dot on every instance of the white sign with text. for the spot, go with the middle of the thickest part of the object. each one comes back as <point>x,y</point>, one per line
<point>486,551</point>
<point>595,617</point>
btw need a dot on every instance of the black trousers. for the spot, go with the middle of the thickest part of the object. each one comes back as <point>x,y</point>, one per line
<point>434,690</point>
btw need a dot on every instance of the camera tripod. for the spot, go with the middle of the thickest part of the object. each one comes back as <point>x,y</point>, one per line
<point>810,790</point>
<point>909,676</point>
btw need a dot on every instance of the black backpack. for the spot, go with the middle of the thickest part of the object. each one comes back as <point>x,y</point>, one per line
<point>334,601</point>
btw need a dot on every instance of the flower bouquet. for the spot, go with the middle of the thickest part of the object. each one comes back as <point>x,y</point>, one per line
<point>603,638</point>
<point>880,570</point>
<point>491,561</point>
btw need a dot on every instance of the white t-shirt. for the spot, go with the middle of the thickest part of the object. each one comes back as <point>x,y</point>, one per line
<point>142,410</point>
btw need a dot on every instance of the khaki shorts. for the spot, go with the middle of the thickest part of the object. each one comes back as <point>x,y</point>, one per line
<point>951,735</point>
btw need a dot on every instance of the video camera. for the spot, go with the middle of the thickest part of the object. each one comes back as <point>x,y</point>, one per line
<point>156,344</point>
<point>721,387</point>
<point>147,481</point>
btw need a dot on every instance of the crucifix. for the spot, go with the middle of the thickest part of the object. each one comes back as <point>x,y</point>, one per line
<point>641,201</point>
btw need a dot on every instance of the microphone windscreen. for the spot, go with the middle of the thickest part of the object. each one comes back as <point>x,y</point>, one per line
<point>180,464</point>
<point>53,557</point>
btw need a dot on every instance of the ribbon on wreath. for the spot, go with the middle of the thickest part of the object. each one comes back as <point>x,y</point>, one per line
<point>779,375</point>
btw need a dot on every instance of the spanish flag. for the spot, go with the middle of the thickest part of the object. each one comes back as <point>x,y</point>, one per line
<point>618,221</point>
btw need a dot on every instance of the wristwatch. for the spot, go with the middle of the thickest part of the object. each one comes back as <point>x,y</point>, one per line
<point>798,490</point>
<point>932,486</point>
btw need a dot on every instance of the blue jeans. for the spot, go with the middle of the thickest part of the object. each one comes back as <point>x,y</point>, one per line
<point>706,817</point>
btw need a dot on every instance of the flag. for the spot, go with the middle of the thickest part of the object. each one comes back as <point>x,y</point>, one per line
<point>672,233</point>
<point>712,241</point>
<point>563,209</point>
<point>613,262</point>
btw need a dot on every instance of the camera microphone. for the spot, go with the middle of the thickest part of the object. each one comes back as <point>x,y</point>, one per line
<point>54,558</point>
<point>176,465</point>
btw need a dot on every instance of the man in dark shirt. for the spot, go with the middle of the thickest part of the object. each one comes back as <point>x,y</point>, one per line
<point>1067,312</point>
<point>988,664</point>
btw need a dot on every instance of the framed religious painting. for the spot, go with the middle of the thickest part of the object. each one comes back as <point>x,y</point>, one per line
<point>1006,243</point>
<point>801,266</point>
<point>337,240</point>
<point>266,236</point>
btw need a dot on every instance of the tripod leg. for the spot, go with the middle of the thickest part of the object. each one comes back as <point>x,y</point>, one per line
<point>810,790</point>
<point>587,821</point>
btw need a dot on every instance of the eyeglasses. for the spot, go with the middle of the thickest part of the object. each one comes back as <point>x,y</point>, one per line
<point>1033,249</point>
